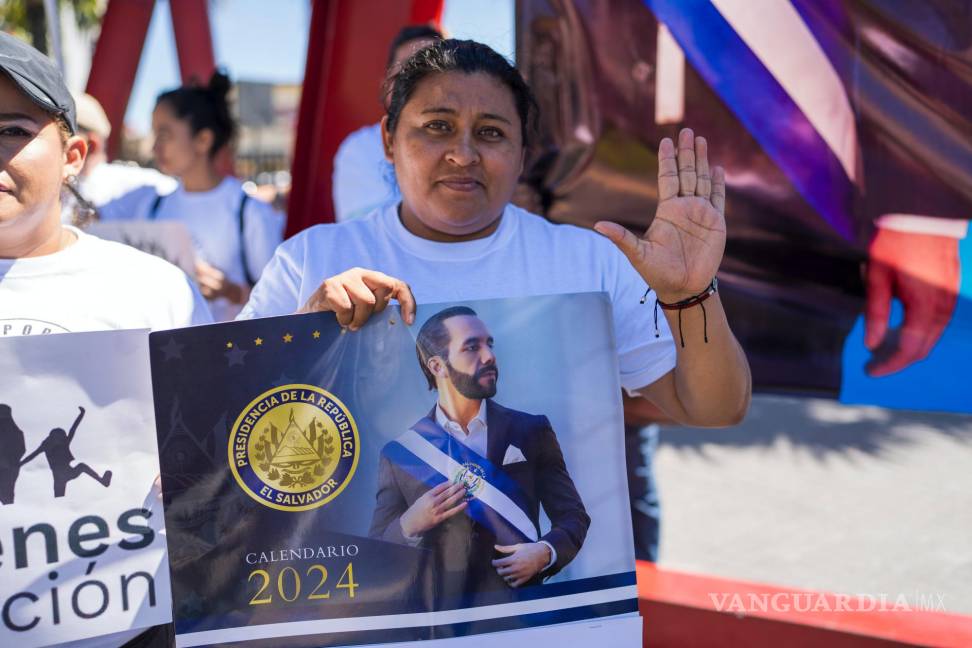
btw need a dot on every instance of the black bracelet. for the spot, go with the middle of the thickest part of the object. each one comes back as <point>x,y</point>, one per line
<point>695,300</point>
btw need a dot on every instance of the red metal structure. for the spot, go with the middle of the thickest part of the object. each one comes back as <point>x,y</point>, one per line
<point>193,37</point>
<point>346,55</point>
<point>116,57</point>
<point>119,50</point>
<point>680,611</point>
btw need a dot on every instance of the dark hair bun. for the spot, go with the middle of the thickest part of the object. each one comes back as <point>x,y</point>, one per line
<point>205,107</point>
<point>219,84</point>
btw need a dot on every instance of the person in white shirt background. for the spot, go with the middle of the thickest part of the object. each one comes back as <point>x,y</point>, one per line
<point>363,179</point>
<point>101,181</point>
<point>53,277</point>
<point>235,235</point>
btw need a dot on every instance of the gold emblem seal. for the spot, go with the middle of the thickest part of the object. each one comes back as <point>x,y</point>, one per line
<point>294,448</point>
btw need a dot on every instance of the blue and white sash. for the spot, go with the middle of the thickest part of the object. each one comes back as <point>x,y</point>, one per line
<point>742,80</point>
<point>432,456</point>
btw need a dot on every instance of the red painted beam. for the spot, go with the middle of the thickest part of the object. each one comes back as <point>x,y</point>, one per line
<point>346,55</point>
<point>194,39</point>
<point>115,61</point>
<point>426,11</point>
<point>689,610</point>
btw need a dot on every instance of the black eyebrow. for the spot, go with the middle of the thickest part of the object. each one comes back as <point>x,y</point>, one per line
<point>489,340</point>
<point>14,116</point>
<point>440,109</point>
<point>496,117</point>
<point>453,111</point>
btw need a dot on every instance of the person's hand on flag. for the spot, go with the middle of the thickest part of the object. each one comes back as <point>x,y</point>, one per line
<point>434,507</point>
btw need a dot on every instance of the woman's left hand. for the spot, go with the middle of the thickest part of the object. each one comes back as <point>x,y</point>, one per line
<point>213,283</point>
<point>681,251</point>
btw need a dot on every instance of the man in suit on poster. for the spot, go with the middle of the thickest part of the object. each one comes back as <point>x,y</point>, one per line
<point>467,481</point>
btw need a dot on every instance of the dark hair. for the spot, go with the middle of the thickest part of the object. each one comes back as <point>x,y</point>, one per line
<point>410,33</point>
<point>433,338</point>
<point>204,107</point>
<point>468,57</point>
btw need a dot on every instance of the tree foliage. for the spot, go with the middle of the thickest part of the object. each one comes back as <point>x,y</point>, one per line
<point>26,18</point>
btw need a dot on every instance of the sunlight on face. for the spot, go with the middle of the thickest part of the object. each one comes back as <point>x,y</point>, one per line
<point>32,169</point>
<point>458,153</point>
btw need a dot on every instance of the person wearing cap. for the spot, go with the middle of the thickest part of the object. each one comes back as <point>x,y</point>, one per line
<point>363,179</point>
<point>101,181</point>
<point>53,277</point>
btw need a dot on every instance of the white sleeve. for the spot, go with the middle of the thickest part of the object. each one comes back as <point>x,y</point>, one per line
<point>362,180</point>
<point>200,307</point>
<point>341,178</point>
<point>133,205</point>
<point>915,224</point>
<point>186,306</point>
<point>644,356</point>
<point>278,290</point>
<point>262,232</point>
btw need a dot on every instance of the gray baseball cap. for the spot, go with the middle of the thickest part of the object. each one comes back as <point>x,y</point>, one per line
<point>38,77</point>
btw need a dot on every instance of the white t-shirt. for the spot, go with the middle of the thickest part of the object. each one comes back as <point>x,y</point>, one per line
<point>94,285</point>
<point>526,256</point>
<point>363,179</point>
<point>212,218</point>
<point>109,181</point>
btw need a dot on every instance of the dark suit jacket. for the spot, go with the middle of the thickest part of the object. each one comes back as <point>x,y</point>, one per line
<point>460,549</point>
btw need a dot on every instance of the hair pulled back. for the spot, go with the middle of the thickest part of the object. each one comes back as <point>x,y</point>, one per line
<point>410,33</point>
<point>204,107</point>
<point>468,57</point>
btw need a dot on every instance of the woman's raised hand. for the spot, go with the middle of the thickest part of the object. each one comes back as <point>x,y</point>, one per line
<point>356,294</point>
<point>681,251</point>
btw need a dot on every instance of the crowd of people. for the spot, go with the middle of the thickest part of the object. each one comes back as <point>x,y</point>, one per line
<point>424,198</point>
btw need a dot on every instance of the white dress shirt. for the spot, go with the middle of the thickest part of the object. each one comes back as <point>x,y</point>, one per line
<point>474,437</point>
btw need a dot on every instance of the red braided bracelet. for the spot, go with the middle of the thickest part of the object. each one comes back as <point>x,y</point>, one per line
<point>687,303</point>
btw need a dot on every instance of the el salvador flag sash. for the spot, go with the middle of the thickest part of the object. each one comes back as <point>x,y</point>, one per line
<point>741,79</point>
<point>432,456</point>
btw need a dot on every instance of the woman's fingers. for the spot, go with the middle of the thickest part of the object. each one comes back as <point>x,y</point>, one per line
<point>687,178</point>
<point>395,288</point>
<point>357,294</point>
<point>336,299</point>
<point>363,301</point>
<point>703,186</point>
<point>718,197</point>
<point>667,170</point>
<point>382,297</point>
<point>406,300</point>
<point>628,243</point>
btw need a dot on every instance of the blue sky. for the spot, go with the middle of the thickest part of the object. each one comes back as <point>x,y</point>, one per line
<point>244,30</point>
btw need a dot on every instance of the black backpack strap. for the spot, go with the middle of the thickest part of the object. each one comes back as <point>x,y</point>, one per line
<point>246,268</point>
<point>154,209</point>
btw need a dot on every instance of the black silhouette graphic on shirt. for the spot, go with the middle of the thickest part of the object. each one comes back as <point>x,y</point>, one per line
<point>12,449</point>
<point>57,449</point>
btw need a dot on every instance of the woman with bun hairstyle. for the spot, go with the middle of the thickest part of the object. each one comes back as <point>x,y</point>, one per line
<point>234,235</point>
<point>53,277</point>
